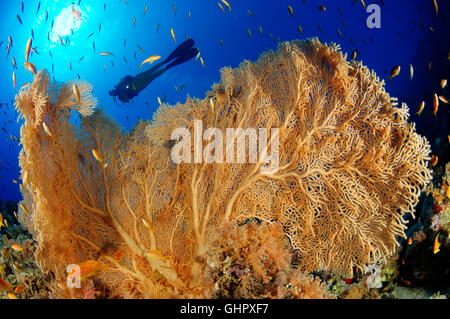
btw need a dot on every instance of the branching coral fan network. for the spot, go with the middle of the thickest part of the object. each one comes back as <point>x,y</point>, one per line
<point>350,166</point>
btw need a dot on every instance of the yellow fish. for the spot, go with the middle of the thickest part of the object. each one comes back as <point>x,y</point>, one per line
<point>47,129</point>
<point>24,208</point>
<point>443,99</point>
<point>249,33</point>
<point>154,254</point>
<point>97,155</point>
<point>76,92</point>
<point>353,55</point>
<point>290,10</point>
<point>150,60</point>
<point>436,245</point>
<point>11,295</point>
<point>436,9</point>
<point>250,13</point>
<point>411,72</point>
<point>201,61</point>
<point>421,106</point>
<point>173,35</point>
<point>159,101</point>
<point>25,178</point>
<point>227,4</point>
<point>443,83</point>
<point>106,53</point>
<point>211,104</point>
<point>223,10</point>
<point>260,30</point>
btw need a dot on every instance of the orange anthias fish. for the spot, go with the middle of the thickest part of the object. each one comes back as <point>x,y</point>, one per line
<point>76,92</point>
<point>4,286</point>
<point>436,245</point>
<point>30,67</point>
<point>434,160</point>
<point>394,72</point>
<point>173,34</point>
<point>421,106</point>
<point>75,13</point>
<point>87,269</point>
<point>17,247</point>
<point>47,129</point>
<point>27,49</point>
<point>97,155</point>
<point>1,221</point>
<point>435,104</point>
<point>154,254</point>
<point>18,289</point>
<point>147,223</point>
<point>447,192</point>
<point>118,255</point>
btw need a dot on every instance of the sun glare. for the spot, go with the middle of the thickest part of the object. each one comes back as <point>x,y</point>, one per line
<point>68,20</point>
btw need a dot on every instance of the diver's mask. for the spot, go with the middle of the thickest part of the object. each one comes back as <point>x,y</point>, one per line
<point>124,90</point>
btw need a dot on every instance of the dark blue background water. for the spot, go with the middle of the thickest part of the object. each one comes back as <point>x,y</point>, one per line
<point>404,38</point>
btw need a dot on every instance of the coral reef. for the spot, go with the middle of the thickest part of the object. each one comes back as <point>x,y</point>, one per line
<point>422,264</point>
<point>18,268</point>
<point>253,260</point>
<point>350,167</point>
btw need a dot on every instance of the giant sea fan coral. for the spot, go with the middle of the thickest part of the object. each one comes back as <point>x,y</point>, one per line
<point>350,166</point>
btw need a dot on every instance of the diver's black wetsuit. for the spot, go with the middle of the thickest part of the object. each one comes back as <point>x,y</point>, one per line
<point>130,86</point>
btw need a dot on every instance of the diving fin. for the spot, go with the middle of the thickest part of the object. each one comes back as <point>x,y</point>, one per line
<point>180,50</point>
<point>192,52</point>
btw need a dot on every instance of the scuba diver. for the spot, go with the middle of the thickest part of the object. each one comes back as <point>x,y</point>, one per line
<point>130,86</point>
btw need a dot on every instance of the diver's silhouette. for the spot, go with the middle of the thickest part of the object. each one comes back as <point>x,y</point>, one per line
<point>130,86</point>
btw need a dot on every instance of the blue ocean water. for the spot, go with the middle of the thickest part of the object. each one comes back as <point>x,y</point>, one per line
<point>410,33</point>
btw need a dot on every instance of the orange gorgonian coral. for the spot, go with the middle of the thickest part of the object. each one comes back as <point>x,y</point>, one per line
<point>350,167</point>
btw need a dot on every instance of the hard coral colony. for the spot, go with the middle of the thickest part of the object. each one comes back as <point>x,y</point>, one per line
<point>350,166</point>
